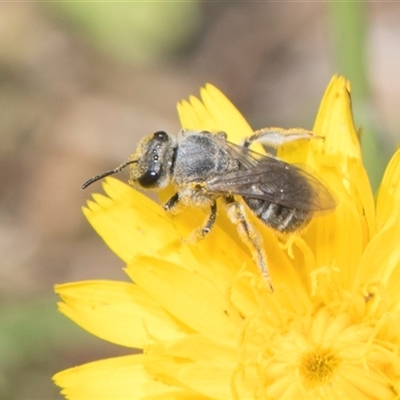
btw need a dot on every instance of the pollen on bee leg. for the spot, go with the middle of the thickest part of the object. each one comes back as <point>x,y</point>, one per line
<point>201,233</point>
<point>195,236</point>
<point>237,215</point>
<point>276,137</point>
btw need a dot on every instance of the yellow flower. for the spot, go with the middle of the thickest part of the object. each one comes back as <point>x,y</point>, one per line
<point>201,313</point>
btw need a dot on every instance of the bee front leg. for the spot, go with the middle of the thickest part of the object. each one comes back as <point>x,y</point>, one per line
<point>249,235</point>
<point>172,202</point>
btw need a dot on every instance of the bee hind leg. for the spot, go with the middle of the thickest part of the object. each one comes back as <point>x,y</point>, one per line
<point>249,235</point>
<point>272,138</point>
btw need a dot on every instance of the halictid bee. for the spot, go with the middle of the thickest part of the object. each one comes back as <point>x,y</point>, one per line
<point>204,166</point>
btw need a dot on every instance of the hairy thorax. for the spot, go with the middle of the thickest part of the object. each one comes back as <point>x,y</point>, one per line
<point>199,158</point>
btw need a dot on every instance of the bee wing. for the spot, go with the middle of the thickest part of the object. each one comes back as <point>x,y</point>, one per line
<point>275,181</point>
<point>246,157</point>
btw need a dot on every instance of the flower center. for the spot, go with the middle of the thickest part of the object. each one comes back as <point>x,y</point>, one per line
<point>318,366</point>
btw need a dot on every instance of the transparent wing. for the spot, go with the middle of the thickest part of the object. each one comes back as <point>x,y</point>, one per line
<point>273,180</point>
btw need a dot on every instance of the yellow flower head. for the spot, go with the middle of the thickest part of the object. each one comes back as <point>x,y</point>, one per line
<point>206,324</point>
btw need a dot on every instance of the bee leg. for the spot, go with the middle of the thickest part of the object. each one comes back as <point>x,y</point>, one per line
<point>171,205</point>
<point>172,202</point>
<point>272,138</point>
<point>249,235</point>
<point>203,232</point>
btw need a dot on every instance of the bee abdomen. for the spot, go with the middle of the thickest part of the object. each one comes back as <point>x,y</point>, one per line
<point>278,217</point>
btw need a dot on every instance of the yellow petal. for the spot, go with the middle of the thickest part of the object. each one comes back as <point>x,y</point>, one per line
<point>215,113</point>
<point>181,395</point>
<point>183,361</point>
<point>130,223</point>
<point>115,378</point>
<point>188,296</point>
<point>211,378</point>
<point>339,238</point>
<point>380,265</point>
<point>195,116</point>
<point>363,198</point>
<point>195,347</point>
<point>228,118</point>
<point>340,150</point>
<point>367,384</point>
<point>119,312</point>
<point>335,122</point>
<point>336,241</point>
<point>389,192</point>
<point>218,257</point>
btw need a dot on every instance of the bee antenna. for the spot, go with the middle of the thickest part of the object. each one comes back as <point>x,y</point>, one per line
<point>107,173</point>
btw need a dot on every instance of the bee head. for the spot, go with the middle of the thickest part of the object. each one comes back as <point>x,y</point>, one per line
<point>151,163</point>
<point>154,156</point>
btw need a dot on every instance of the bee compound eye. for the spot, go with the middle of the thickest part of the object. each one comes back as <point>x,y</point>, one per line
<point>161,135</point>
<point>149,179</point>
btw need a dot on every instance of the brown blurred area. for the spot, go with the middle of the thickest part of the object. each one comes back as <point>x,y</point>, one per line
<point>70,110</point>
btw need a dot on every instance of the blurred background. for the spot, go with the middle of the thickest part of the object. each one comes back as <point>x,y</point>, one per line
<point>80,83</point>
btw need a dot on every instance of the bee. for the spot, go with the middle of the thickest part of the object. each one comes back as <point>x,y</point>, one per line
<point>204,166</point>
